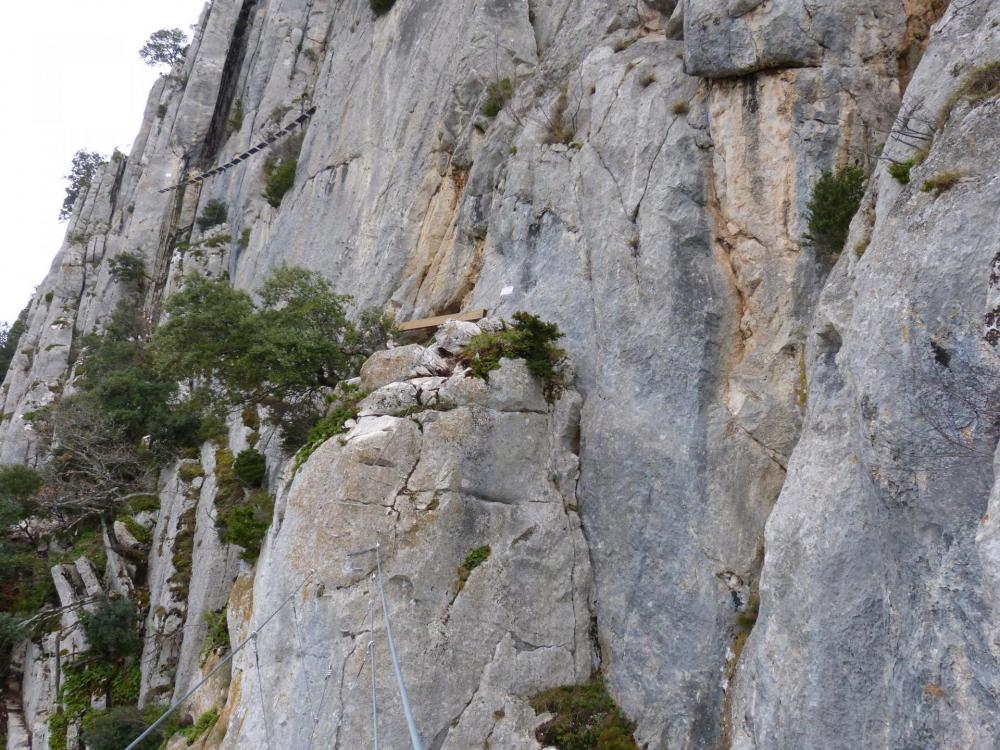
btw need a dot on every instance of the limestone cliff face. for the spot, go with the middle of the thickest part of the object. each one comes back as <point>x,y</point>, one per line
<point>645,187</point>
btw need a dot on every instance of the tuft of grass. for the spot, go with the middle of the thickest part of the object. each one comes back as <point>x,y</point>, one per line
<point>498,93</point>
<point>528,338</point>
<point>623,43</point>
<point>473,560</point>
<point>647,79</point>
<point>680,107</point>
<point>183,555</point>
<point>980,84</point>
<point>235,121</point>
<point>900,170</point>
<point>205,722</point>
<point>834,202</point>
<point>585,717</point>
<point>560,126</point>
<point>941,182</point>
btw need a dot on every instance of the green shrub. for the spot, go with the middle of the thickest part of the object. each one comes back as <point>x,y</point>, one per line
<point>900,170</point>
<point>116,728</point>
<point>279,176</point>
<point>381,7</point>
<point>245,523</point>
<point>112,630</point>
<point>498,93</point>
<point>250,468</point>
<point>528,338</point>
<point>205,722</point>
<point>129,269</point>
<point>834,201</point>
<point>218,240</point>
<point>217,636</point>
<point>214,213</point>
<point>586,718</point>
<point>332,424</point>
<point>189,471</point>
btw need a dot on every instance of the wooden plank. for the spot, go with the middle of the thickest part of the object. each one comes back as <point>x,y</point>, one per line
<point>413,325</point>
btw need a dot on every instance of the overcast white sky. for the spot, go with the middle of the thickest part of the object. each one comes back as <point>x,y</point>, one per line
<point>70,78</point>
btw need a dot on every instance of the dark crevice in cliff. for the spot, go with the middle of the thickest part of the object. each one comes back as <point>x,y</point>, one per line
<point>216,135</point>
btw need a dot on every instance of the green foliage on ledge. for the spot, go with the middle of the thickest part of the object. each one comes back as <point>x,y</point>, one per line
<point>528,338</point>
<point>585,718</point>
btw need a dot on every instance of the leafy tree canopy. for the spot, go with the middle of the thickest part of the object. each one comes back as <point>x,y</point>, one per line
<point>164,47</point>
<point>279,351</point>
<point>85,164</point>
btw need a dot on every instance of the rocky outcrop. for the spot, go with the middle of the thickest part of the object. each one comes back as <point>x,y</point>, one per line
<point>489,468</point>
<point>877,596</point>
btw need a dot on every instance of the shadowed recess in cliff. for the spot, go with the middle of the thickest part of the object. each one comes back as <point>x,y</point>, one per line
<point>227,86</point>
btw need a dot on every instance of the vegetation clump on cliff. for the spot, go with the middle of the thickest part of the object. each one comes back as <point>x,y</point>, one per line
<point>585,718</point>
<point>528,338</point>
<point>834,201</point>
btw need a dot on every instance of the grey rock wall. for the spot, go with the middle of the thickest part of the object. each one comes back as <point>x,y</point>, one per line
<point>877,624</point>
<point>495,466</point>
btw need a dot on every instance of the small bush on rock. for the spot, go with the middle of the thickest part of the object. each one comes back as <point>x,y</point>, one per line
<point>245,523</point>
<point>834,202</point>
<point>497,95</point>
<point>280,176</point>
<point>217,637</point>
<point>116,729</point>
<point>900,170</point>
<point>586,718</point>
<point>250,468</point>
<point>528,338</point>
<point>214,213</point>
<point>205,722</point>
